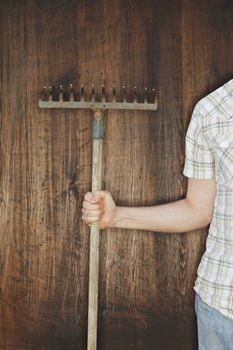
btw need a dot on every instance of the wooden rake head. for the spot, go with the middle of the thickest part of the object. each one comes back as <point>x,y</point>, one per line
<point>69,98</point>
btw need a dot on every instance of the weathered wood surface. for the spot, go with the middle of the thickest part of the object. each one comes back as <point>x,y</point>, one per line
<point>182,49</point>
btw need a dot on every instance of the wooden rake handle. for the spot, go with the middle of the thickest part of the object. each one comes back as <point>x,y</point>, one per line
<point>98,136</point>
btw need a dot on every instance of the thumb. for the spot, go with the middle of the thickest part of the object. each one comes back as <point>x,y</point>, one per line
<point>99,195</point>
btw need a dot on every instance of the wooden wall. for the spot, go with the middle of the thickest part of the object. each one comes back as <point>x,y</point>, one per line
<point>184,49</point>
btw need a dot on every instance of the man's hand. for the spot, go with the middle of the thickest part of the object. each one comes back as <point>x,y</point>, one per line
<point>99,207</point>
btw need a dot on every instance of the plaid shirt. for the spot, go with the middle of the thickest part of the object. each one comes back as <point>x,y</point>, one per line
<point>209,154</point>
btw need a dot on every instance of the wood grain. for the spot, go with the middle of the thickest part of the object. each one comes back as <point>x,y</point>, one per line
<point>146,278</point>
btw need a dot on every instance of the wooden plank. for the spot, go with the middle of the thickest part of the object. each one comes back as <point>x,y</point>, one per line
<point>45,257</point>
<point>142,265</point>
<point>146,279</point>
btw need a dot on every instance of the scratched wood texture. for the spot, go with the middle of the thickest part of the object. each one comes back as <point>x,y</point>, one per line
<point>181,48</point>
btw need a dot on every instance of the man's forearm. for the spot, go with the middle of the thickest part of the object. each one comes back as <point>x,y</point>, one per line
<point>179,216</point>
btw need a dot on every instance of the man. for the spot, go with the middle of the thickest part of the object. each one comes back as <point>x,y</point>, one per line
<point>209,167</point>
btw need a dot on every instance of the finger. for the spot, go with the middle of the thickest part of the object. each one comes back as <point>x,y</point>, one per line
<point>90,220</point>
<point>91,206</point>
<point>88,197</point>
<point>92,213</point>
<point>87,211</point>
<point>99,195</point>
<point>95,197</point>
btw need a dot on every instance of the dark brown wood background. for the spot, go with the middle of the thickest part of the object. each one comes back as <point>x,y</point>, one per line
<point>184,49</point>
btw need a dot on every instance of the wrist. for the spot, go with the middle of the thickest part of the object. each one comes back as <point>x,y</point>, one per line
<point>117,218</point>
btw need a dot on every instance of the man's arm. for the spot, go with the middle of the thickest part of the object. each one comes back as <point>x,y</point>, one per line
<point>192,212</point>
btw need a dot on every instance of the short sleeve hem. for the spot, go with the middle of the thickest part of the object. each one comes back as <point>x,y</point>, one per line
<point>199,157</point>
<point>198,174</point>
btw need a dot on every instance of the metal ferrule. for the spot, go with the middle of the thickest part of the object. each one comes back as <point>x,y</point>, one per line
<point>98,125</point>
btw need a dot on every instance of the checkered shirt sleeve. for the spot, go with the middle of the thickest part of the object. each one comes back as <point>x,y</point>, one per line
<point>199,160</point>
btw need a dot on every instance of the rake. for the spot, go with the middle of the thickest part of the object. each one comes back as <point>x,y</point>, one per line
<point>69,98</point>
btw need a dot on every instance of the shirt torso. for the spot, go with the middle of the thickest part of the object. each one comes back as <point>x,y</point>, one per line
<point>209,154</point>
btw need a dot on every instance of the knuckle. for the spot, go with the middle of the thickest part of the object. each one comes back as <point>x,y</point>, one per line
<point>87,196</point>
<point>104,223</point>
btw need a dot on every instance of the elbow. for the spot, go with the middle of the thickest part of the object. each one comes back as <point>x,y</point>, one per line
<point>202,216</point>
<point>206,219</point>
<point>209,219</point>
<point>205,215</point>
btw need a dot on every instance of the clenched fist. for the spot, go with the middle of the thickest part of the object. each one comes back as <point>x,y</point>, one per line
<point>99,207</point>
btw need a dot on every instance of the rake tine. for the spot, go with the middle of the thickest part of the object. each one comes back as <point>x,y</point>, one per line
<point>103,99</point>
<point>82,92</point>
<point>71,90</point>
<point>135,94</point>
<point>93,92</point>
<point>146,95</point>
<point>60,93</point>
<point>114,93</point>
<point>124,94</point>
<point>50,93</point>
<point>154,95</point>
